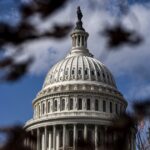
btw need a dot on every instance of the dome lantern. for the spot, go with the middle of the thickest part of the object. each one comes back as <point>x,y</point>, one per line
<point>79,36</point>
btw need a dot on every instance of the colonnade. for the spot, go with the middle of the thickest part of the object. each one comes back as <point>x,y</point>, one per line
<point>66,137</point>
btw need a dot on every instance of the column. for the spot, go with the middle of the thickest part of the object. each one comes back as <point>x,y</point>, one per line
<point>74,136</point>
<point>49,140</point>
<point>96,137</point>
<point>76,41</point>
<point>67,103</point>
<point>75,103</point>
<point>54,137</point>
<point>45,139</point>
<point>64,137</point>
<point>93,103</point>
<point>85,103</point>
<point>38,139</point>
<point>58,104</point>
<point>85,132</point>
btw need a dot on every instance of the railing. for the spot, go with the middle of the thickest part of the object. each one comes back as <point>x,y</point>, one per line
<point>73,114</point>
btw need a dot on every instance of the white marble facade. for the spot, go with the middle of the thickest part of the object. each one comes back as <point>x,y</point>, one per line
<point>77,102</point>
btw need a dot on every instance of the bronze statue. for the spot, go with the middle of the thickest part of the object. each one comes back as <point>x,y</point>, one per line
<point>79,13</point>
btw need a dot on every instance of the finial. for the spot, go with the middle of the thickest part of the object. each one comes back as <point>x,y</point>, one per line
<point>79,13</point>
<point>79,22</point>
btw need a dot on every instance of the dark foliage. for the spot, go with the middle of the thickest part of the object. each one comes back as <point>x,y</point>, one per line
<point>85,145</point>
<point>142,109</point>
<point>43,7</point>
<point>24,31</point>
<point>16,137</point>
<point>118,36</point>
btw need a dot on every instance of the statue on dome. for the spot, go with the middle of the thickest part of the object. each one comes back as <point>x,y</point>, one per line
<point>79,13</point>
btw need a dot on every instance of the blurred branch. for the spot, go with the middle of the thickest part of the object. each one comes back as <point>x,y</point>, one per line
<point>119,36</point>
<point>24,31</point>
<point>16,137</point>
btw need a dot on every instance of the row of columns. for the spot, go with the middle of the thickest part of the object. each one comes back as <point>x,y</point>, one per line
<point>44,143</point>
<point>79,41</point>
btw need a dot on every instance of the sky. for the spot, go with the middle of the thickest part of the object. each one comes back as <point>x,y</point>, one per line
<point>129,65</point>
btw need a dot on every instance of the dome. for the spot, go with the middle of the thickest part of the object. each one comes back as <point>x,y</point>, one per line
<point>79,68</point>
<point>77,102</point>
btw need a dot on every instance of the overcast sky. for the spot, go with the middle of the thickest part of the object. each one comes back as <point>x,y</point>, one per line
<point>129,65</point>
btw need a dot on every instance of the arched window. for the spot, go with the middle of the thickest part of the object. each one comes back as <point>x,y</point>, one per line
<point>79,104</point>
<point>73,72</point>
<point>92,72</point>
<point>71,104</point>
<point>98,73</point>
<point>96,105</point>
<point>85,71</point>
<point>104,106</point>
<point>110,107</point>
<point>88,102</point>
<point>55,105</point>
<point>49,106</point>
<point>79,71</point>
<point>63,104</point>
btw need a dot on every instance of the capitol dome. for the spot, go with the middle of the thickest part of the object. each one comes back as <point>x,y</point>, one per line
<point>78,100</point>
<point>79,68</point>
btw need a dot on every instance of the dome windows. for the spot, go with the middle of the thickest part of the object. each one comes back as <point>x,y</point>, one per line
<point>43,108</point>
<point>104,106</point>
<point>96,105</point>
<point>92,72</point>
<point>110,105</point>
<point>98,74</point>
<point>79,104</point>
<point>73,71</point>
<point>79,71</point>
<point>86,71</point>
<point>55,105</point>
<point>70,104</point>
<point>88,102</point>
<point>79,68</point>
<point>49,106</point>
